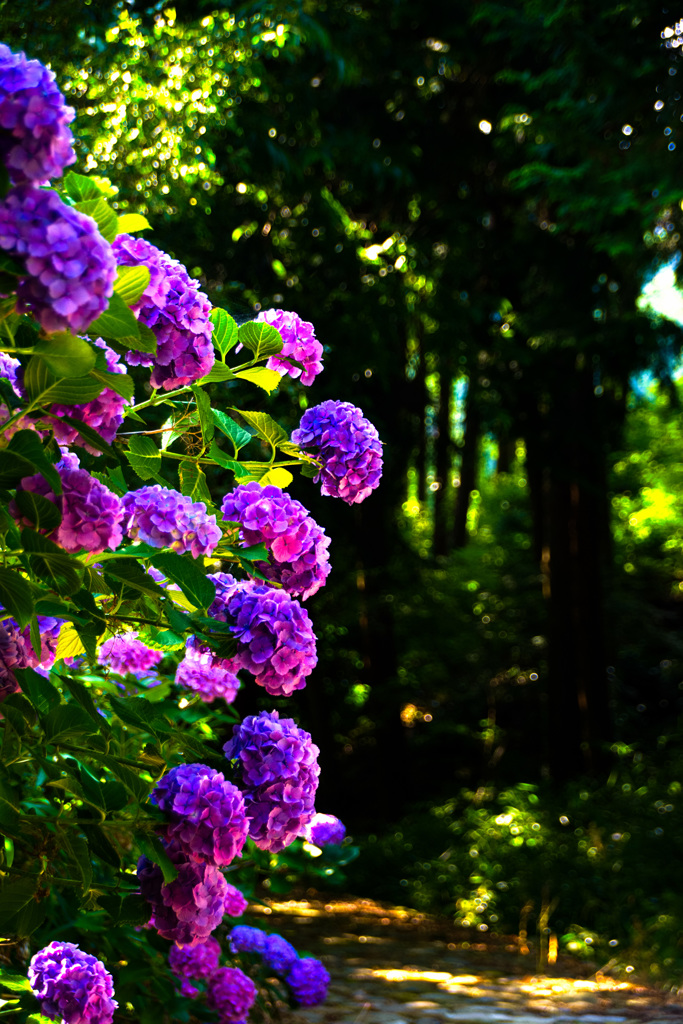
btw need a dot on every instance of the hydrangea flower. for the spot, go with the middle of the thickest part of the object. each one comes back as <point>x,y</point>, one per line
<point>104,413</point>
<point>13,654</point>
<point>244,939</point>
<point>324,830</point>
<point>278,954</point>
<point>198,961</point>
<point>207,813</point>
<point>232,994</point>
<point>126,655</point>
<point>35,141</point>
<point>9,370</point>
<point>69,267</point>
<point>279,772</point>
<point>235,903</point>
<point>91,513</point>
<point>300,343</point>
<point>173,307</point>
<point>276,642</point>
<point>187,909</point>
<point>298,546</point>
<point>348,447</point>
<point>72,985</point>
<point>163,518</point>
<point>201,673</point>
<point>308,980</point>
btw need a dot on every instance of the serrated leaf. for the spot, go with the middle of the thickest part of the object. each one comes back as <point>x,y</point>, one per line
<point>204,409</point>
<point>130,572</point>
<point>69,644</point>
<point>177,620</point>
<point>42,513</point>
<point>265,426</point>
<point>28,445</point>
<point>137,712</point>
<point>16,596</point>
<point>225,330</point>
<point>100,845</point>
<point>66,355</point>
<point>86,435</point>
<point>122,383</point>
<point>226,424</point>
<point>101,212</point>
<point>132,782</point>
<point>184,571</point>
<point>118,323</point>
<point>278,477</point>
<point>144,457</point>
<point>37,377</point>
<point>162,640</point>
<point>148,340</point>
<point>83,696</point>
<point>218,372</point>
<point>193,481</point>
<point>264,378</point>
<point>131,909</point>
<point>12,981</point>
<point>79,853</point>
<point>79,187</point>
<point>260,338</point>
<point>13,467</point>
<point>39,690</point>
<point>152,848</point>
<point>50,563</point>
<point>15,894</point>
<point>67,721</point>
<point>71,391</point>
<point>129,222</point>
<point>255,553</point>
<point>131,282</point>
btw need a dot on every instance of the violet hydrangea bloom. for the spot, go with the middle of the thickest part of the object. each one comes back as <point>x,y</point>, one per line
<point>324,830</point>
<point>9,368</point>
<point>173,307</point>
<point>163,518</point>
<point>198,961</point>
<point>13,654</point>
<point>72,985</point>
<point>300,344</point>
<point>206,811</point>
<point>91,513</point>
<point>245,939</point>
<point>308,980</point>
<point>232,994</point>
<point>187,909</point>
<point>347,446</point>
<point>104,413</point>
<point>278,954</point>
<point>276,642</point>
<point>278,764</point>
<point>297,545</point>
<point>35,141</point>
<point>235,903</point>
<point>200,672</point>
<point>69,267</point>
<point>125,654</point>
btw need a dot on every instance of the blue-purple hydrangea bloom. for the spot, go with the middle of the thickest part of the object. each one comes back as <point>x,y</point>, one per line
<point>347,446</point>
<point>126,654</point>
<point>279,772</point>
<point>36,143</point>
<point>324,830</point>
<point>9,368</point>
<point>175,310</point>
<point>232,994</point>
<point>163,518</point>
<point>103,413</point>
<point>200,672</point>
<point>207,815</point>
<point>72,985</point>
<point>245,939</point>
<point>69,267</point>
<point>308,980</point>
<point>278,954</point>
<point>300,344</point>
<point>299,560</point>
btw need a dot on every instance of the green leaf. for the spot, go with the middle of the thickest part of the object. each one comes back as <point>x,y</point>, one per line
<point>264,378</point>
<point>129,222</point>
<point>260,338</point>
<point>131,909</point>
<point>73,391</point>
<point>67,722</point>
<point>12,981</point>
<point>15,593</point>
<point>178,620</point>
<point>100,844</point>
<point>66,355</point>
<point>204,409</point>
<point>193,481</point>
<point>42,513</point>
<point>15,894</point>
<point>130,572</point>
<point>28,445</point>
<point>144,457</point>
<point>152,848</point>
<point>137,712</point>
<point>77,849</point>
<point>131,282</point>
<point>148,340</point>
<point>23,708</point>
<point>118,323</point>
<point>37,377</point>
<point>133,783</point>
<point>13,467</point>
<point>218,372</point>
<point>255,553</point>
<point>226,424</point>
<point>225,331</point>
<point>39,690</point>
<point>265,426</point>
<point>50,563</point>
<point>185,571</point>
<point>101,212</point>
<point>278,476</point>
<point>82,695</point>
<point>162,640</point>
<point>223,460</point>
<point>79,187</point>
<point>87,435</point>
<point>122,383</point>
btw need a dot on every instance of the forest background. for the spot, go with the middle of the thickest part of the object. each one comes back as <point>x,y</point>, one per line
<point>466,202</point>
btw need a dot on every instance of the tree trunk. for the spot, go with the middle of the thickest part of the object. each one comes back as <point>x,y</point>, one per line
<point>442,463</point>
<point>468,469</point>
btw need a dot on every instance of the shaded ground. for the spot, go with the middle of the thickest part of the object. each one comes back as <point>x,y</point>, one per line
<point>393,966</point>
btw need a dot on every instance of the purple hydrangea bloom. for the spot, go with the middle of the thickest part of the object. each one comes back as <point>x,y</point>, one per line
<point>347,446</point>
<point>235,903</point>
<point>232,994</point>
<point>187,909</point>
<point>173,307</point>
<point>9,368</point>
<point>35,141</point>
<point>308,981</point>
<point>91,513</point>
<point>126,655</point>
<point>279,771</point>
<point>324,830</point>
<point>207,813</point>
<point>163,518</point>
<point>72,985</point>
<point>276,642</point>
<point>104,413</point>
<point>13,654</point>
<point>298,546</point>
<point>70,268</point>
<point>244,939</point>
<point>300,344</point>
<point>200,672</point>
<point>278,954</point>
<point>198,961</point>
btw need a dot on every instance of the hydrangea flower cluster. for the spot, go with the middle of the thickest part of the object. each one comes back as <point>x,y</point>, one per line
<point>35,141</point>
<point>198,961</point>
<point>279,772</point>
<point>9,367</point>
<point>348,447</point>
<point>163,518</point>
<point>235,903</point>
<point>72,985</point>
<point>91,513</point>
<point>276,642</point>
<point>201,673</point>
<point>70,269</point>
<point>190,907</point>
<point>298,546</point>
<point>308,980</point>
<point>278,954</point>
<point>232,994</point>
<point>324,830</point>
<point>245,939</point>
<point>16,650</point>
<point>300,344</point>
<point>126,655</point>
<point>207,813</point>
<point>104,413</point>
<point>173,307</point>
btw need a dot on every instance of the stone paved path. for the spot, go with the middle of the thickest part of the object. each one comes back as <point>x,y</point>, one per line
<point>393,966</point>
